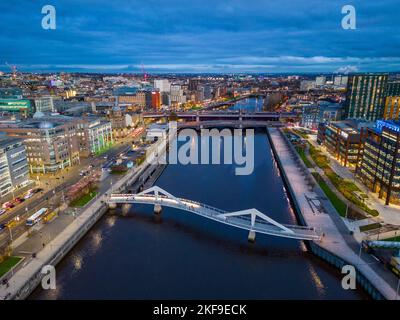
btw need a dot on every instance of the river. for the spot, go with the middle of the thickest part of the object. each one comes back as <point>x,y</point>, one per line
<point>183,256</point>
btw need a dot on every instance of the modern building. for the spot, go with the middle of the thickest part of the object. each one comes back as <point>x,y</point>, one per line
<point>343,140</point>
<point>177,94</point>
<point>14,172</point>
<point>392,108</point>
<point>155,99</point>
<point>340,81</point>
<point>51,143</point>
<point>95,135</point>
<point>379,168</point>
<point>393,89</point>
<point>365,96</point>
<point>23,106</point>
<point>10,93</point>
<point>320,81</point>
<point>163,85</point>
<point>309,116</point>
<point>193,84</point>
<point>44,104</point>
<point>313,114</point>
<point>307,85</point>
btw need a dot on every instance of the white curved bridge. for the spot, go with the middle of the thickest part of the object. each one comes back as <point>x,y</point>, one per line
<point>250,219</point>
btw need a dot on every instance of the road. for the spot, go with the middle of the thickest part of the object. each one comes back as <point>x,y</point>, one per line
<point>52,194</point>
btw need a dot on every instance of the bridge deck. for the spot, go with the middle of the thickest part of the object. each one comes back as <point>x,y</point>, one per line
<point>239,221</point>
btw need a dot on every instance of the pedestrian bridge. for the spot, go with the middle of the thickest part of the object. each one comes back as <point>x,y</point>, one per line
<point>250,219</point>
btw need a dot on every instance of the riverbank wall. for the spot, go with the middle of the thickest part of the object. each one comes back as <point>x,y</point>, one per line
<point>26,279</point>
<point>337,255</point>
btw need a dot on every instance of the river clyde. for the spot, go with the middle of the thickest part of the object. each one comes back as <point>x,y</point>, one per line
<point>180,255</point>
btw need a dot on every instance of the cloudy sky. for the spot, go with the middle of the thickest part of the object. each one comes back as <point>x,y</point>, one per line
<point>265,36</point>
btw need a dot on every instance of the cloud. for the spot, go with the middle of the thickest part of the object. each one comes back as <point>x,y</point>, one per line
<point>200,35</point>
<point>347,69</point>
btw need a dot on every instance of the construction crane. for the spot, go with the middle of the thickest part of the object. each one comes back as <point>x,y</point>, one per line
<point>145,75</point>
<point>13,68</point>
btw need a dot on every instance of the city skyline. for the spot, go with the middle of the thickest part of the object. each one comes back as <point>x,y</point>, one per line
<point>177,37</point>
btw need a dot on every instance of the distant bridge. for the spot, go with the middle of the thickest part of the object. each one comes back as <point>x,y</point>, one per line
<point>250,219</point>
<point>230,115</point>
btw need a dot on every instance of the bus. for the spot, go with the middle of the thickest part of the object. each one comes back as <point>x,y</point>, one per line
<point>35,218</point>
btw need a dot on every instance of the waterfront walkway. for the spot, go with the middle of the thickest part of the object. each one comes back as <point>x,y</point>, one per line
<point>337,238</point>
<point>29,275</point>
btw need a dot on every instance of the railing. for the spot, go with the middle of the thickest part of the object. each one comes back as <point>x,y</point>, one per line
<point>244,222</point>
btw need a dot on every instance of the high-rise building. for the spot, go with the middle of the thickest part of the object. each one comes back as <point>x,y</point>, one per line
<point>155,99</point>
<point>379,168</point>
<point>193,84</point>
<point>340,81</point>
<point>320,81</point>
<point>392,108</point>
<point>393,89</point>
<point>177,94</point>
<point>365,96</point>
<point>14,172</point>
<point>163,85</point>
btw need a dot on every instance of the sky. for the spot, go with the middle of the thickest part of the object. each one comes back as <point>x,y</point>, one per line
<point>200,36</point>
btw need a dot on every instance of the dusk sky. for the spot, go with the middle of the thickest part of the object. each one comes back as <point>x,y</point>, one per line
<point>200,36</point>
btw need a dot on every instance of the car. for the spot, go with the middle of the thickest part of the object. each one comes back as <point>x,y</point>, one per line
<point>8,205</point>
<point>28,195</point>
<point>18,200</point>
<point>2,211</point>
<point>2,226</point>
<point>35,190</point>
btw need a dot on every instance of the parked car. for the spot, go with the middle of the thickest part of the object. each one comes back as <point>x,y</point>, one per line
<point>2,211</point>
<point>2,226</point>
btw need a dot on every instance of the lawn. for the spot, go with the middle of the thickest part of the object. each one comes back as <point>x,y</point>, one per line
<point>371,226</point>
<point>104,149</point>
<point>301,133</point>
<point>345,187</point>
<point>7,264</point>
<point>339,205</point>
<point>82,201</point>
<point>303,156</point>
<point>392,239</point>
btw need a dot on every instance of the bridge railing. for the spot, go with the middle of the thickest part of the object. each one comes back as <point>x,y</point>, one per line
<point>212,212</point>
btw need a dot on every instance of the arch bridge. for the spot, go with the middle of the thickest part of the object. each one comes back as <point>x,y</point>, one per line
<point>250,219</point>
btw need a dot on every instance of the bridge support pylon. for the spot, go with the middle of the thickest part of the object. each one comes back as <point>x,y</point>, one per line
<point>112,205</point>
<point>252,236</point>
<point>126,207</point>
<point>157,208</point>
